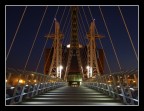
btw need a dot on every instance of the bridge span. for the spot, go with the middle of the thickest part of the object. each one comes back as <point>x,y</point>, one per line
<point>72,96</point>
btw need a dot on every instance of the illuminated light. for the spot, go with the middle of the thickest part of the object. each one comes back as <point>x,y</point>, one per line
<point>12,87</point>
<point>6,80</point>
<point>26,85</point>
<point>88,67</point>
<point>109,81</point>
<point>68,46</point>
<point>34,80</point>
<point>134,81</point>
<point>132,89</point>
<point>90,71</point>
<point>61,67</point>
<point>118,86</point>
<point>21,81</point>
<point>32,74</point>
<point>80,46</point>
<point>110,75</point>
<point>35,84</point>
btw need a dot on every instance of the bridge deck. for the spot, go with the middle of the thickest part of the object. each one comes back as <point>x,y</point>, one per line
<point>72,96</point>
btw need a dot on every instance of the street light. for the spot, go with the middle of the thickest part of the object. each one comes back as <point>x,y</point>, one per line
<point>59,70</point>
<point>89,74</point>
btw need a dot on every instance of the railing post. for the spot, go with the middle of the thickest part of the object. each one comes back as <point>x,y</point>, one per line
<point>30,84</point>
<point>125,77</point>
<point>34,91</point>
<point>136,79</point>
<point>115,86</point>
<point>14,93</point>
<point>38,85</point>
<point>122,91</point>
<point>23,88</point>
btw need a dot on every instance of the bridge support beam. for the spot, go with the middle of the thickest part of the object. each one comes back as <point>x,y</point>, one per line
<point>74,52</point>
<point>92,61</point>
<point>56,64</point>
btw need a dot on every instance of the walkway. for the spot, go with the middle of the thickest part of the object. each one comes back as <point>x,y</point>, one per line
<point>72,96</point>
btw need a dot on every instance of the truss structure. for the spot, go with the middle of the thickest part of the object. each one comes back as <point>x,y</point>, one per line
<point>92,61</point>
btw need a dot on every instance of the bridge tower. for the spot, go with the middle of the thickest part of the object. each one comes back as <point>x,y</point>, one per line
<point>93,67</point>
<point>74,50</point>
<point>56,67</point>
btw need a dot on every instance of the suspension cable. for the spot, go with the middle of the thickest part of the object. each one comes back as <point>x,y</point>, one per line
<point>82,34</point>
<point>35,39</point>
<point>67,32</point>
<point>90,13</point>
<point>46,41</point>
<point>16,32</point>
<point>65,24</point>
<point>128,32</point>
<point>62,15</point>
<point>110,38</point>
<point>82,21</point>
<point>66,20</point>
<point>85,16</point>
<point>65,41</point>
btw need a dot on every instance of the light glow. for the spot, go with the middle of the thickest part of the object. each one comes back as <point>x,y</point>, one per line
<point>88,67</point>
<point>59,70</point>
<point>132,89</point>
<point>32,74</point>
<point>61,67</point>
<point>21,81</point>
<point>12,87</point>
<point>68,46</point>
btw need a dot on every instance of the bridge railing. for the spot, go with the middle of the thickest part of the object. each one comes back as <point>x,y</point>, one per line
<point>121,86</point>
<point>21,86</point>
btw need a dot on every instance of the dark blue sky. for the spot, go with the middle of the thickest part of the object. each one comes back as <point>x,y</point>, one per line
<point>31,20</point>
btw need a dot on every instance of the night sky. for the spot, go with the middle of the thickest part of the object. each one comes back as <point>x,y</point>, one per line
<point>27,31</point>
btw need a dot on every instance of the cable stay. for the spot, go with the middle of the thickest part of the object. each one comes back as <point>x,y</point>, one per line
<point>16,32</point>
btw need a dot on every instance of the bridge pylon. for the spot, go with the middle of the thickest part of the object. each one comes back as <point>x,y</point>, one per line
<point>74,50</point>
<point>93,67</point>
<point>56,67</point>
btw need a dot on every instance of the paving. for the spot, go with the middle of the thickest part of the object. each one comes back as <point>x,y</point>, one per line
<point>72,96</point>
